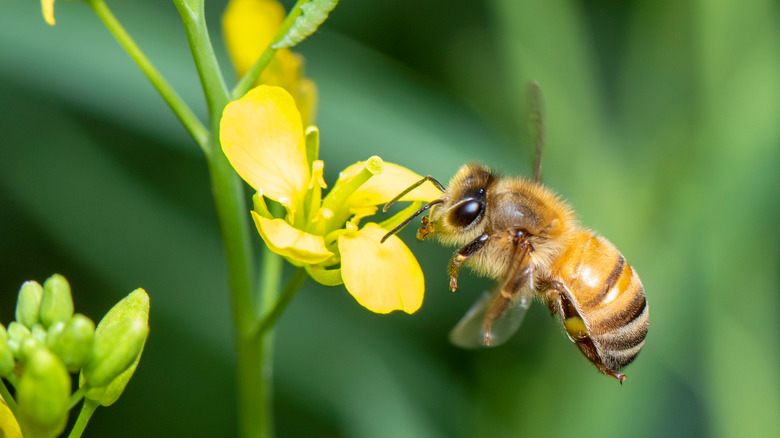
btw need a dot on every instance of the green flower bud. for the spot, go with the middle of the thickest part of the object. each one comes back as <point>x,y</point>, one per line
<point>56,302</point>
<point>42,395</point>
<point>73,342</point>
<point>28,304</point>
<point>38,333</point>
<point>17,333</point>
<point>6,355</point>
<point>54,333</point>
<point>28,347</point>
<point>133,308</point>
<point>114,350</point>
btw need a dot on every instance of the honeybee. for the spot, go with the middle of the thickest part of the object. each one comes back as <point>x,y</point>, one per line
<point>523,234</point>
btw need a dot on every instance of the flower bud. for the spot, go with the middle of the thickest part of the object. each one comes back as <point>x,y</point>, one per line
<point>6,356</point>
<point>56,302</point>
<point>126,323</point>
<point>54,333</point>
<point>42,395</point>
<point>17,333</point>
<point>29,303</point>
<point>73,342</point>
<point>38,333</point>
<point>27,348</point>
<point>114,350</point>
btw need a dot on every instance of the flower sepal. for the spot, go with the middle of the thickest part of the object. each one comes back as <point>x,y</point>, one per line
<point>326,277</point>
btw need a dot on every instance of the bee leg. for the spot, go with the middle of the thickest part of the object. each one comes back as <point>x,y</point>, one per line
<point>425,229</point>
<point>518,280</point>
<point>501,303</point>
<point>461,256</point>
<point>557,299</point>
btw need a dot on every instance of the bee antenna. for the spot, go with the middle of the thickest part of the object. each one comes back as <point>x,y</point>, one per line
<point>409,219</point>
<point>409,189</point>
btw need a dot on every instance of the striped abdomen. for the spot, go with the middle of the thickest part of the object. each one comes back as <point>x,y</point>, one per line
<point>602,290</point>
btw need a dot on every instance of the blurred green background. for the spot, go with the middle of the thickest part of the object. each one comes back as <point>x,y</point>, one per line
<point>663,126</point>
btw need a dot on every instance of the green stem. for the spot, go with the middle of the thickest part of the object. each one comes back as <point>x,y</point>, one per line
<point>77,396</point>
<point>227,188</point>
<point>270,279</point>
<point>232,211</point>
<point>174,101</point>
<point>87,409</point>
<point>254,72</point>
<point>262,389</point>
<point>217,94</point>
<point>295,283</point>
<point>7,398</point>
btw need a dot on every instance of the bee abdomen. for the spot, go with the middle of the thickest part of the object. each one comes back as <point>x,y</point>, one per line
<point>619,321</point>
<point>620,346</point>
<point>609,297</point>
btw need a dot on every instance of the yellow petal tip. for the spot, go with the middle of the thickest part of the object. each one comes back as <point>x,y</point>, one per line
<point>382,278</point>
<point>48,11</point>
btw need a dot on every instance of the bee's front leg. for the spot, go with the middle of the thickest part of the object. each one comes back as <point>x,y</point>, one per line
<point>462,255</point>
<point>426,228</point>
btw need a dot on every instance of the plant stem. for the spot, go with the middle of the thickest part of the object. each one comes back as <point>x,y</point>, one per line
<point>174,101</point>
<point>214,88</point>
<point>7,398</point>
<point>263,336</point>
<point>295,283</point>
<point>87,409</point>
<point>77,396</point>
<point>270,279</point>
<point>234,224</point>
<point>257,68</point>
<point>227,188</point>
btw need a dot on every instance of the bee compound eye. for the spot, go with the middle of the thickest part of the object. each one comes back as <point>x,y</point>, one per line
<point>466,212</point>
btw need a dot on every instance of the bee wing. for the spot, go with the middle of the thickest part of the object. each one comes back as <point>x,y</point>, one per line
<point>469,331</point>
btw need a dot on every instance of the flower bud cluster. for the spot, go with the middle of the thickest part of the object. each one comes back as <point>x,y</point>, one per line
<point>48,341</point>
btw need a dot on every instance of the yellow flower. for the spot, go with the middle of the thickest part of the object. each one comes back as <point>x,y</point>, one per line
<point>8,426</point>
<point>248,27</point>
<point>48,11</point>
<point>263,137</point>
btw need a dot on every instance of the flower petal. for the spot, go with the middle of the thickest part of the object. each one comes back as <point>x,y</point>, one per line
<point>8,426</point>
<point>262,137</point>
<point>248,27</point>
<point>290,242</point>
<point>385,186</point>
<point>381,276</point>
<point>47,6</point>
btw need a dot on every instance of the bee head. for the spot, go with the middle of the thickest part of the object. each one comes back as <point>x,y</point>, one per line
<point>460,216</point>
